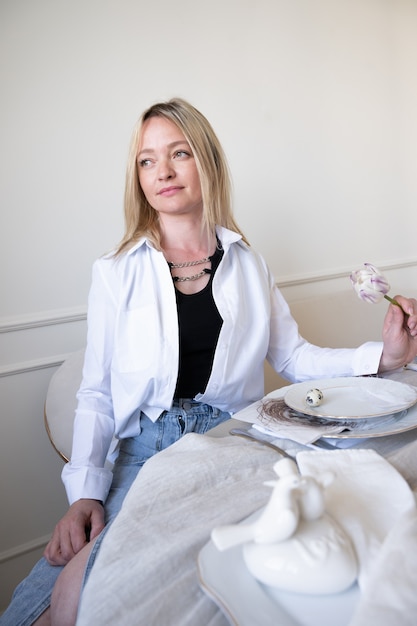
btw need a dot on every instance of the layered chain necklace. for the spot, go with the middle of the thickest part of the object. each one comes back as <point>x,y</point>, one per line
<point>183,279</point>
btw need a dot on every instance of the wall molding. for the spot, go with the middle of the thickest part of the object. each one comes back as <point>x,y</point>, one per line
<point>32,366</point>
<point>305,279</point>
<point>79,314</point>
<point>42,320</point>
<point>24,548</point>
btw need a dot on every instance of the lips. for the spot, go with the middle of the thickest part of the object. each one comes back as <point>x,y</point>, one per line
<point>169,191</point>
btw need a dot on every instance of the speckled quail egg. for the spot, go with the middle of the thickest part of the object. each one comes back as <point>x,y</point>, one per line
<point>314,397</point>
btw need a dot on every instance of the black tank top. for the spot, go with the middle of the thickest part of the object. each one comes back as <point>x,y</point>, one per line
<point>199,328</point>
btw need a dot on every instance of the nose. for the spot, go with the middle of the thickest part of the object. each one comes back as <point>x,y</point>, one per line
<point>165,169</point>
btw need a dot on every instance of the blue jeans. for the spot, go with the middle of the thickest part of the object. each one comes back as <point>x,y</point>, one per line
<point>33,595</point>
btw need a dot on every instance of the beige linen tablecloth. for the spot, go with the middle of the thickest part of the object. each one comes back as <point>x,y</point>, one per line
<point>146,570</point>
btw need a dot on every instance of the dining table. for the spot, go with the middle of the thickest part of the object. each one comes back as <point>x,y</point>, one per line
<point>158,564</point>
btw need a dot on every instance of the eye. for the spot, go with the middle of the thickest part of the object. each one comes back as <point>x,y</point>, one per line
<point>144,162</point>
<point>179,154</point>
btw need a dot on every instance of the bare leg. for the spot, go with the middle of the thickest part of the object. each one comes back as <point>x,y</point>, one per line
<point>67,590</point>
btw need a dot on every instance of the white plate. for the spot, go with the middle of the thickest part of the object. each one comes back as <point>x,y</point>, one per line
<point>352,398</point>
<point>400,423</point>
<point>246,602</point>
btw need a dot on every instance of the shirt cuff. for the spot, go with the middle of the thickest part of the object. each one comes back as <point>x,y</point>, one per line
<point>366,359</point>
<point>86,482</point>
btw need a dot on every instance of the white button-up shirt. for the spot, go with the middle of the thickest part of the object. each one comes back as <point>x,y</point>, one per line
<point>131,360</point>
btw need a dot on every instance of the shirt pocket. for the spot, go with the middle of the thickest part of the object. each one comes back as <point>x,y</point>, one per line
<point>137,340</point>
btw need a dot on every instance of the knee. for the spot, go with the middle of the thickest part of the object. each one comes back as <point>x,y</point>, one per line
<point>67,590</point>
<point>65,599</point>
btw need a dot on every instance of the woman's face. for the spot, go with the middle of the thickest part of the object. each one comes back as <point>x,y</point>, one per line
<point>167,169</point>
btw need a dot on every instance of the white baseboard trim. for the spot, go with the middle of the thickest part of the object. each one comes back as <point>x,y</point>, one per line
<point>24,548</point>
<point>32,366</point>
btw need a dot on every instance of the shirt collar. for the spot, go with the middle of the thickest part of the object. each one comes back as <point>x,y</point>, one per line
<point>142,241</point>
<point>225,235</point>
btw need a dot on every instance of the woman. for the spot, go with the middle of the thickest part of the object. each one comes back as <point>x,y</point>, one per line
<point>181,318</point>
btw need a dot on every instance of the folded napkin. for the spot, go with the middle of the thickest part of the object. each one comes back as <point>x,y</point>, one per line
<point>369,499</point>
<point>303,433</point>
<point>390,594</point>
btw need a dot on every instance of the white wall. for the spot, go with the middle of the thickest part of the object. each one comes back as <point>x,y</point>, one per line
<point>314,102</point>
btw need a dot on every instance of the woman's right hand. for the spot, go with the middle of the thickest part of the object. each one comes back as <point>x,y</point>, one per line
<point>83,521</point>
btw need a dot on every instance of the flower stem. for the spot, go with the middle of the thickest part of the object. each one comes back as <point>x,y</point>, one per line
<point>394,302</point>
<point>391,300</point>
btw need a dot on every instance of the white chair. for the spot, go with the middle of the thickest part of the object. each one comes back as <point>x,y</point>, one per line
<point>61,403</point>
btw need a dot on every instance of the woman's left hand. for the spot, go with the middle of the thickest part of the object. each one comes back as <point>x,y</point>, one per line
<point>399,334</point>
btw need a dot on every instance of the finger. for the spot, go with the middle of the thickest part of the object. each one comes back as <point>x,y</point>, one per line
<point>412,313</point>
<point>410,321</point>
<point>71,538</point>
<point>75,539</point>
<point>404,313</point>
<point>394,318</point>
<point>97,523</point>
<point>408,305</point>
<point>53,553</point>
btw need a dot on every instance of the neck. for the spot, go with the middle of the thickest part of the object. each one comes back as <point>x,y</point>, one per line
<point>188,239</point>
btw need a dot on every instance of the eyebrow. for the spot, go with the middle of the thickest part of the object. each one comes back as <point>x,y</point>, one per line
<point>171,145</point>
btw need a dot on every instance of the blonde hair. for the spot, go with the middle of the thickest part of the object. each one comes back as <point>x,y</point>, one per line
<point>141,219</point>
